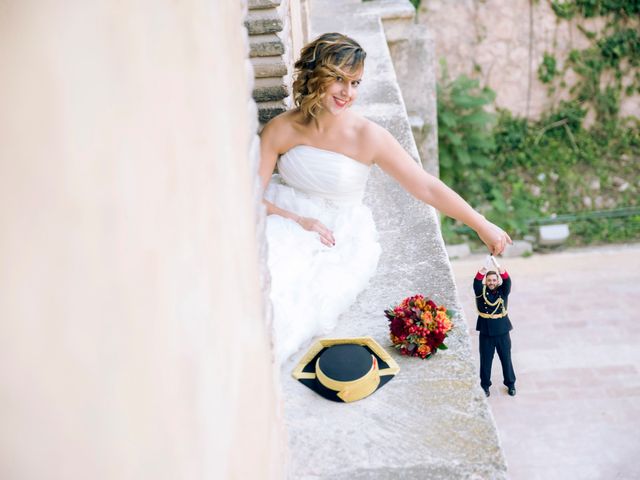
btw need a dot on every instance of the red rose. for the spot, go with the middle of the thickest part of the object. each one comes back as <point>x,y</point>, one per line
<point>397,327</point>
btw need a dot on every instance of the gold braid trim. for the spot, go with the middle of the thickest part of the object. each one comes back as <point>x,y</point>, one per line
<point>486,300</point>
<point>499,303</point>
<point>492,315</point>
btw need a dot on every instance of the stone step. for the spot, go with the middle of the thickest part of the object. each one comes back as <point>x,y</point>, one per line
<point>270,89</point>
<point>263,21</point>
<point>261,4</point>
<point>264,67</point>
<point>519,248</point>
<point>397,16</point>
<point>265,45</point>
<point>268,110</point>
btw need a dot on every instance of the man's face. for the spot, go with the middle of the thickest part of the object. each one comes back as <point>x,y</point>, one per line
<point>492,281</point>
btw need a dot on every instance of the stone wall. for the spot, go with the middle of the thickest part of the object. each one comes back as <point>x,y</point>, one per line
<point>277,30</point>
<point>503,42</point>
<point>132,333</point>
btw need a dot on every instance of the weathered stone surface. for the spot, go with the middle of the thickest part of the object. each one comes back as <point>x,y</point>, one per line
<point>414,62</point>
<point>398,16</point>
<point>259,4</point>
<point>518,249</point>
<point>460,250</point>
<point>412,50</point>
<point>269,93</point>
<point>265,67</point>
<point>432,420</point>
<point>268,110</point>
<point>416,122</point>
<point>497,37</point>
<point>552,235</point>
<point>266,45</point>
<point>263,21</point>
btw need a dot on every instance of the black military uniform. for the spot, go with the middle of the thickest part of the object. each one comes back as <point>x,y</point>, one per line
<point>494,326</point>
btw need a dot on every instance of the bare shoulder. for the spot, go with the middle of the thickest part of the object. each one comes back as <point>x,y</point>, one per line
<point>371,130</point>
<point>374,138</point>
<point>282,131</point>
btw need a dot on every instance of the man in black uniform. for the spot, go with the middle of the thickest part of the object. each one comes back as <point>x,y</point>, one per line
<point>494,326</point>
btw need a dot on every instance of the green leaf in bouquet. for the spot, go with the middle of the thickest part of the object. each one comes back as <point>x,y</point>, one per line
<point>442,346</point>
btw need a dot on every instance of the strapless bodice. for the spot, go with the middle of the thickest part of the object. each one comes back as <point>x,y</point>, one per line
<point>323,173</point>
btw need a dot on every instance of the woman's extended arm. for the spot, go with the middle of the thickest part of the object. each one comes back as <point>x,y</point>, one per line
<point>395,161</point>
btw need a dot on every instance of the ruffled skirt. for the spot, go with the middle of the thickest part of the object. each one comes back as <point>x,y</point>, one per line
<point>312,284</point>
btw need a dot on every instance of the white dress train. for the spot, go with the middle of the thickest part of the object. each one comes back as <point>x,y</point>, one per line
<point>312,284</point>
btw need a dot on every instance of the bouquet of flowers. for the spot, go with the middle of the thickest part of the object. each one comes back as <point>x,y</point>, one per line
<point>418,326</point>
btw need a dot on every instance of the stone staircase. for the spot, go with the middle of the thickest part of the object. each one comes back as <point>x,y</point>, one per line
<point>268,24</point>
<point>432,421</point>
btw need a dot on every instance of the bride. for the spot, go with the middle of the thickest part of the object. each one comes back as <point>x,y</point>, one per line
<point>322,241</point>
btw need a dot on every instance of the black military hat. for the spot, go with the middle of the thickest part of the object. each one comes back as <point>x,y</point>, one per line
<point>345,369</point>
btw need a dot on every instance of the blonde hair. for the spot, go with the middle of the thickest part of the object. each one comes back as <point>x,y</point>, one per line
<point>328,57</point>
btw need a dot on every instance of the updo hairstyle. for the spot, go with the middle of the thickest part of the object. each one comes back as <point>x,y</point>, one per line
<point>330,56</point>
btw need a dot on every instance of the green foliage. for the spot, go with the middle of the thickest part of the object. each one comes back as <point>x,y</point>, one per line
<point>465,132</point>
<point>547,69</point>
<point>537,169</point>
<point>595,8</point>
<point>515,170</point>
<point>601,68</point>
<point>605,230</point>
<point>564,10</point>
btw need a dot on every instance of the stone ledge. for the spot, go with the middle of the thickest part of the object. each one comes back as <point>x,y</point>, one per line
<point>268,110</point>
<point>392,9</point>
<point>265,67</point>
<point>432,420</point>
<point>261,4</point>
<point>266,45</point>
<point>268,89</point>
<point>263,21</point>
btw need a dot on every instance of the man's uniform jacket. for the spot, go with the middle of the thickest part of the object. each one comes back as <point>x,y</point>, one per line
<point>494,304</point>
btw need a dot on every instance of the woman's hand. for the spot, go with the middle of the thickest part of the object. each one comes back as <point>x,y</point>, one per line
<point>493,237</point>
<point>313,225</point>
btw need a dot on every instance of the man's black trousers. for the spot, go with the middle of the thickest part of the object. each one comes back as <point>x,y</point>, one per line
<point>501,344</point>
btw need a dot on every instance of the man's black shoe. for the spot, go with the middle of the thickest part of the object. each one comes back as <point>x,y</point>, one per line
<point>512,391</point>
<point>487,392</point>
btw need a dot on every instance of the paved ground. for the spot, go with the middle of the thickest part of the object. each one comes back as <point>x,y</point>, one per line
<point>576,353</point>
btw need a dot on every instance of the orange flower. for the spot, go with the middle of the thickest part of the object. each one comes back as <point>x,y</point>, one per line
<point>424,349</point>
<point>441,315</point>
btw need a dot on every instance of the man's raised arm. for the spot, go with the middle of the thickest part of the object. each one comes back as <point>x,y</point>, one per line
<point>477,281</point>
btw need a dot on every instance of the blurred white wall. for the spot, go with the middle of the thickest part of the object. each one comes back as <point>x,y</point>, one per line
<point>132,340</point>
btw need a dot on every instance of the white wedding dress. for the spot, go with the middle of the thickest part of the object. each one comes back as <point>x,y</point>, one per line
<point>312,284</point>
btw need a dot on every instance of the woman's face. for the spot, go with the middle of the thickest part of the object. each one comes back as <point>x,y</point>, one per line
<point>341,94</point>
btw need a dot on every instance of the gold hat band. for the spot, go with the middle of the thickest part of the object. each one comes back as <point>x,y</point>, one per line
<point>352,390</point>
